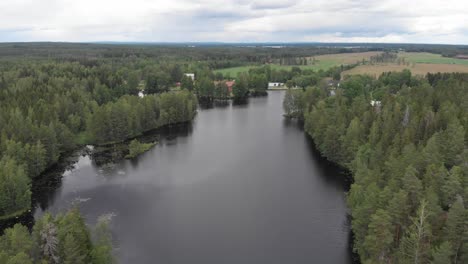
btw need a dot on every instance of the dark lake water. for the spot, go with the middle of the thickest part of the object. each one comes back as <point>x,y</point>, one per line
<point>241,185</point>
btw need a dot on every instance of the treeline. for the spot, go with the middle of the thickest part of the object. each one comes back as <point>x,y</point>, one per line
<point>61,239</point>
<point>210,86</point>
<point>129,116</point>
<point>48,108</point>
<point>293,61</point>
<point>405,141</point>
<point>255,81</point>
<point>384,57</point>
<point>216,56</point>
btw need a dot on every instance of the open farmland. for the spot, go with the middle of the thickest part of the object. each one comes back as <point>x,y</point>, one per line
<point>321,62</point>
<point>417,69</point>
<point>425,57</point>
<point>233,71</point>
<point>347,58</point>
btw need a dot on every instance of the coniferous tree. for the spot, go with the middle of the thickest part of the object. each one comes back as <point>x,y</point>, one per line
<point>15,196</point>
<point>415,246</point>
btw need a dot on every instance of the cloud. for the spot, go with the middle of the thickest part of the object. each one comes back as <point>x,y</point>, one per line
<point>417,21</point>
<point>272,4</point>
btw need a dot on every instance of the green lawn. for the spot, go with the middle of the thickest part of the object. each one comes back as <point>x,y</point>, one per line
<point>322,62</point>
<point>319,65</point>
<point>233,71</point>
<point>326,62</point>
<point>424,57</point>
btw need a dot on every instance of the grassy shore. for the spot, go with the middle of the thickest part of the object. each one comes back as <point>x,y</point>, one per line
<point>136,148</point>
<point>14,214</point>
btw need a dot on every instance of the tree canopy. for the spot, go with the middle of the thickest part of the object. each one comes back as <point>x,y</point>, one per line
<point>408,155</point>
<point>61,239</point>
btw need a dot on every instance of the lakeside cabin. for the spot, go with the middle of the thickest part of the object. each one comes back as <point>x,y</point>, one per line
<point>228,83</point>
<point>273,85</point>
<point>377,105</point>
<point>190,75</point>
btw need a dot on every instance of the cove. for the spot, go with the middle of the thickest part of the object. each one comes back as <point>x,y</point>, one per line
<point>242,184</point>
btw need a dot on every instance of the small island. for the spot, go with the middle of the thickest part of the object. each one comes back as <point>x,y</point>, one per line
<point>137,148</point>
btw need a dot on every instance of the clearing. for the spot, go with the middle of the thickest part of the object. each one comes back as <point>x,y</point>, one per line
<point>322,62</point>
<point>417,69</point>
<point>419,63</point>
<point>424,57</point>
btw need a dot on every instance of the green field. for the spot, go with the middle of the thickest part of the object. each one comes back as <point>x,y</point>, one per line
<point>233,71</point>
<point>424,57</point>
<point>319,65</point>
<point>322,62</point>
<point>325,62</point>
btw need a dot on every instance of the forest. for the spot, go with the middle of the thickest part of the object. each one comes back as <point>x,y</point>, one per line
<point>402,137</point>
<point>50,108</point>
<point>64,238</point>
<point>89,94</point>
<point>404,140</point>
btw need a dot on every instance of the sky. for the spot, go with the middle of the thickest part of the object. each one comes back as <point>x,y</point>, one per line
<point>387,21</point>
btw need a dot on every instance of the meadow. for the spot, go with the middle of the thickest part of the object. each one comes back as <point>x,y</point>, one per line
<point>419,63</point>
<point>316,63</point>
<point>417,69</point>
<point>425,57</point>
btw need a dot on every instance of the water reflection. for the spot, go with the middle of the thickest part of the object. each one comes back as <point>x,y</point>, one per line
<point>222,103</point>
<point>240,102</point>
<point>240,185</point>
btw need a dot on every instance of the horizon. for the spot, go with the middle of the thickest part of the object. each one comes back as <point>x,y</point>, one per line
<point>110,42</point>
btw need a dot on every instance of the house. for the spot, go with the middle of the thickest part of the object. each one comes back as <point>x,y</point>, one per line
<point>229,84</point>
<point>377,105</point>
<point>333,83</point>
<point>190,75</point>
<point>177,84</point>
<point>275,85</point>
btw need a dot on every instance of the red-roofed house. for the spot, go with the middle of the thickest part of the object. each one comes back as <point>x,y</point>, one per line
<point>230,84</point>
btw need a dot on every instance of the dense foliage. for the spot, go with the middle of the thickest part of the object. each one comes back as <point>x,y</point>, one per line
<point>14,187</point>
<point>136,148</point>
<point>293,104</point>
<point>50,107</point>
<point>407,151</point>
<point>405,141</point>
<point>216,55</point>
<point>63,239</point>
<point>130,115</point>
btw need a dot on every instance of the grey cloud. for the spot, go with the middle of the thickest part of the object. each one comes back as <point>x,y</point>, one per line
<point>235,20</point>
<point>272,4</point>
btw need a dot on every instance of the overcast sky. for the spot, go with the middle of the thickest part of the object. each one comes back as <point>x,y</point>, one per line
<point>410,21</point>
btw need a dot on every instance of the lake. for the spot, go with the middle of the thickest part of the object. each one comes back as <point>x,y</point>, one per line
<point>240,185</point>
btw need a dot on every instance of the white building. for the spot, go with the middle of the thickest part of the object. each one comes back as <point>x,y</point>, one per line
<point>275,84</point>
<point>190,75</point>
